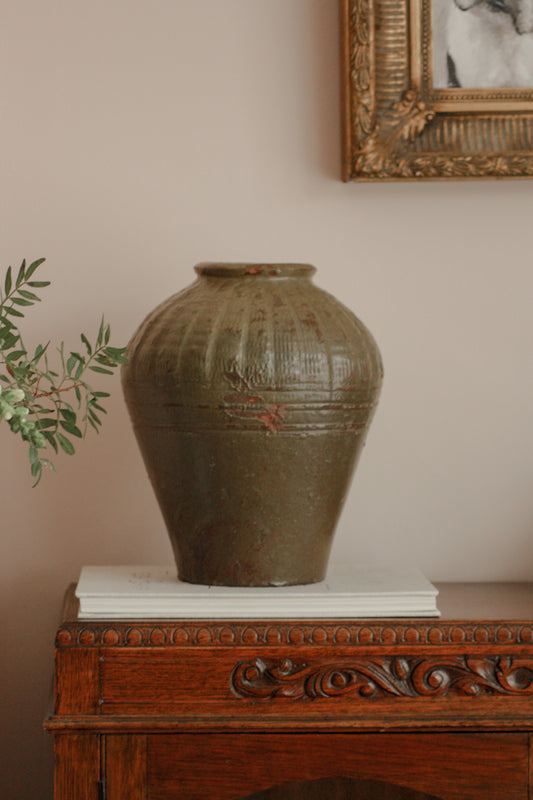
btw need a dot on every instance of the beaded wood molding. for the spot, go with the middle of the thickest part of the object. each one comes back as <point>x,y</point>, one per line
<point>397,126</point>
<point>265,634</point>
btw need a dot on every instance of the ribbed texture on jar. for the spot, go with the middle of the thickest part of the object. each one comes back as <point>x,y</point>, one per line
<point>263,332</point>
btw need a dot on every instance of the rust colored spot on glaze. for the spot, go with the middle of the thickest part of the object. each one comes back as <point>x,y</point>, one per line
<point>245,399</point>
<point>263,269</point>
<point>272,418</point>
<point>268,415</point>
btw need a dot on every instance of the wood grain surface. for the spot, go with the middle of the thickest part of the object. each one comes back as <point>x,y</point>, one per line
<point>410,709</point>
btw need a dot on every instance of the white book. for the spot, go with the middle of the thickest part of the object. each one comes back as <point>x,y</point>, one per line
<point>154,592</point>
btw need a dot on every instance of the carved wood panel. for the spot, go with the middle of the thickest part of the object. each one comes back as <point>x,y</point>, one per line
<point>402,676</point>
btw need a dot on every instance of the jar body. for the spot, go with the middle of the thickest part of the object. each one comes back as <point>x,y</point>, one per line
<point>250,394</point>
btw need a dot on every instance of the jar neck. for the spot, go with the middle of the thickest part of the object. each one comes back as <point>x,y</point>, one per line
<point>244,270</point>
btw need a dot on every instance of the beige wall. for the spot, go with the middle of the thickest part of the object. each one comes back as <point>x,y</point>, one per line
<point>139,138</point>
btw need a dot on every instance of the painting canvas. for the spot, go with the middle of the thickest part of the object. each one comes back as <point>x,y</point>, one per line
<point>482,44</point>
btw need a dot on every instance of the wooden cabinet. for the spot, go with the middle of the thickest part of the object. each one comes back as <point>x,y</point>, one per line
<point>366,709</point>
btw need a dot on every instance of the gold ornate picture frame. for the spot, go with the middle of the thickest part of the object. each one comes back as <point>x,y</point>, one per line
<point>402,121</point>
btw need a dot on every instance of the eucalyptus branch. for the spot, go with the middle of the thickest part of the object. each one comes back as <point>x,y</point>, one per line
<point>28,380</point>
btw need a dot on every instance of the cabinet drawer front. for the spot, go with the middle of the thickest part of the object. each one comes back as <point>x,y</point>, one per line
<point>358,689</point>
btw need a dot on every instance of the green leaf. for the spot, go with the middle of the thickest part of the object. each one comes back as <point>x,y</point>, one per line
<point>43,462</point>
<point>102,370</point>
<point>72,429</point>
<point>33,266</point>
<point>65,444</point>
<point>8,281</point>
<point>68,414</point>
<point>5,321</point>
<point>94,425</point>
<point>9,341</point>
<point>38,284</point>
<point>14,312</point>
<point>16,355</point>
<point>51,439</point>
<point>94,417</point>
<point>100,336</point>
<point>20,301</point>
<point>30,295</point>
<point>39,352</point>
<point>41,424</point>
<point>33,454</point>
<point>115,352</point>
<point>21,274</point>
<point>37,472</point>
<point>71,363</point>
<point>101,394</point>
<point>87,344</point>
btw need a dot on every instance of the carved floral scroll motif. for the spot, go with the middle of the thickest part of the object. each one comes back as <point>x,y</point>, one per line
<point>463,676</point>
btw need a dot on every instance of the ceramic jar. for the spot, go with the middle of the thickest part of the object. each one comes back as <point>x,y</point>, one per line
<point>251,393</point>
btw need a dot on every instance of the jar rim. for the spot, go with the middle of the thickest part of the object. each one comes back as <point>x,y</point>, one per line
<point>244,269</point>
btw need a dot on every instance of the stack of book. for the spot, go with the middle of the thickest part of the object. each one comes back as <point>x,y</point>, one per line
<point>154,592</point>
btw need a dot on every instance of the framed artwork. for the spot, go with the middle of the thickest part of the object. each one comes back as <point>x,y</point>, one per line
<point>437,89</point>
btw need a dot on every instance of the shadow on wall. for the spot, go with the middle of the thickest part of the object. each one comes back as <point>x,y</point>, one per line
<point>325,71</point>
<point>30,613</point>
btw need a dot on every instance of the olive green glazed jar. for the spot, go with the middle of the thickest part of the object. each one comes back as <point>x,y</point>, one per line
<point>251,393</point>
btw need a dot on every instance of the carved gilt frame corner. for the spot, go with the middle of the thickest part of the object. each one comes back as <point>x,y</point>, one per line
<point>398,126</point>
